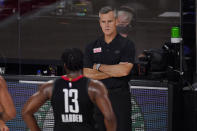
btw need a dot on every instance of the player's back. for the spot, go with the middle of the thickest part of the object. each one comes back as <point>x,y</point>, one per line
<point>72,107</point>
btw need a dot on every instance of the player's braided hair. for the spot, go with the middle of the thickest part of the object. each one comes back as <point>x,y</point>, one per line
<point>73,59</point>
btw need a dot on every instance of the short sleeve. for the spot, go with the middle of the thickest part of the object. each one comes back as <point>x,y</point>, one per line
<point>128,53</point>
<point>87,61</point>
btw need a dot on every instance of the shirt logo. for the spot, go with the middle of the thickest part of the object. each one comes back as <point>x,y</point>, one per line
<point>97,50</point>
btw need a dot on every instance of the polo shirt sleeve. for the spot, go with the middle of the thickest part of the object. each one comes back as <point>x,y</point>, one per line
<point>87,61</point>
<point>128,53</point>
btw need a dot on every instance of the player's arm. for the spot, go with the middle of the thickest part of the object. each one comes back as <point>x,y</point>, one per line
<point>34,103</point>
<point>118,70</point>
<point>99,95</point>
<point>7,108</point>
<point>94,74</point>
<point>3,126</point>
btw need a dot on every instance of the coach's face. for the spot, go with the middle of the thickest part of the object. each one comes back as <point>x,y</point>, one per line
<point>108,23</point>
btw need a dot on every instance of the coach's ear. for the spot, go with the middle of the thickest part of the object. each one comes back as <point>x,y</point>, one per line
<point>65,67</point>
<point>117,21</point>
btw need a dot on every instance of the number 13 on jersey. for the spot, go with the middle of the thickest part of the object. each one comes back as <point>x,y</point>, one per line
<point>71,95</point>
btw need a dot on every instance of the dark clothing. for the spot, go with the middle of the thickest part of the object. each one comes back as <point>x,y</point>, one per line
<point>75,128</point>
<point>121,103</point>
<point>119,50</point>
<point>71,104</point>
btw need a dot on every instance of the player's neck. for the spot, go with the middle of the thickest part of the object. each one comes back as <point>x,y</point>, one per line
<point>74,74</point>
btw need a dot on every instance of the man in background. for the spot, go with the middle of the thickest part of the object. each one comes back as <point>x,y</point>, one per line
<point>110,59</point>
<point>124,19</point>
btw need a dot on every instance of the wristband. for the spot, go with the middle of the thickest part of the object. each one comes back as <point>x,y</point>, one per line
<point>98,66</point>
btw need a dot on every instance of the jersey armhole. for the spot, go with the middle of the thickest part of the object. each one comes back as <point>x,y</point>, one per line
<point>87,86</point>
<point>53,88</point>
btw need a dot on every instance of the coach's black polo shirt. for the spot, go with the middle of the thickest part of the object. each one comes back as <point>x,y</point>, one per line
<point>118,50</point>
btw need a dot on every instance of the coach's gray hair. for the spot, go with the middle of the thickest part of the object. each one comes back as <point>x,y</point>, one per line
<point>107,9</point>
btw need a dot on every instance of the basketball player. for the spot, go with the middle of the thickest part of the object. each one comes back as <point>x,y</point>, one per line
<point>7,109</point>
<point>72,98</point>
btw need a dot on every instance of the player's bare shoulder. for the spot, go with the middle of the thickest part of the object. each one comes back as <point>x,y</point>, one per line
<point>97,87</point>
<point>46,88</point>
<point>47,84</point>
<point>2,82</point>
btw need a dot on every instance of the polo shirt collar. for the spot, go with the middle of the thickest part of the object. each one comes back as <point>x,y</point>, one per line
<point>116,37</point>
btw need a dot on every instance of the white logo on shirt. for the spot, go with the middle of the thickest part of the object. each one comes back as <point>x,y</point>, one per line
<point>97,50</point>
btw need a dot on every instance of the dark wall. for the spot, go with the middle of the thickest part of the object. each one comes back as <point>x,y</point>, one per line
<point>32,31</point>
